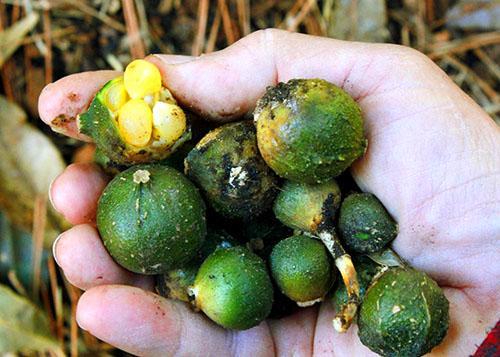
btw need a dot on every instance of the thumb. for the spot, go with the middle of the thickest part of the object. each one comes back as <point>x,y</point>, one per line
<point>222,85</point>
<point>226,84</point>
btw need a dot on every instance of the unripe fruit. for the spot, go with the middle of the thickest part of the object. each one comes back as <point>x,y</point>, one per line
<point>404,313</point>
<point>302,269</point>
<point>309,130</point>
<point>233,288</point>
<point>364,224</point>
<point>151,219</point>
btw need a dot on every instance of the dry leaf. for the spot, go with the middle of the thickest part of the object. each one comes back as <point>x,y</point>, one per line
<point>28,164</point>
<point>363,20</point>
<point>473,14</point>
<point>11,38</point>
<point>23,326</point>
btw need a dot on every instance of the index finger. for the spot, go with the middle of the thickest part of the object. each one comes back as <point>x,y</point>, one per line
<point>61,102</point>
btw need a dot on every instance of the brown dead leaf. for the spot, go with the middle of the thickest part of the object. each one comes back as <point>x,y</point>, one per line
<point>28,164</point>
<point>362,20</point>
<point>12,38</point>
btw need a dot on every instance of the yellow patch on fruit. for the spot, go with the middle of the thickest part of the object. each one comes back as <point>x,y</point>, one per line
<point>116,95</point>
<point>169,122</point>
<point>142,78</point>
<point>135,122</point>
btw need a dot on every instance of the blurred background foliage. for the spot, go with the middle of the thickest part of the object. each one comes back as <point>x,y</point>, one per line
<point>44,40</point>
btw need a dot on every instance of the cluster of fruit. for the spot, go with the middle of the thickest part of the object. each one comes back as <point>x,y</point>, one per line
<point>278,228</point>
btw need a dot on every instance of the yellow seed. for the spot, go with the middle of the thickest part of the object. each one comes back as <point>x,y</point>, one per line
<point>135,122</point>
<point>142,78</point>
<point>169,122</point>
<point>115,95</point>
<point>166,96</point>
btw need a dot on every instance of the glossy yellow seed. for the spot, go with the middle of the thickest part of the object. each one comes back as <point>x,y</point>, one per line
<point>142,78</point>
<point>115,95</point>
<point>169,122</point>
<point>135,122</point>
<point>166,96</point>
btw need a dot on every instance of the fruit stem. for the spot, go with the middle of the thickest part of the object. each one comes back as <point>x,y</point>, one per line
<point>344,264</point>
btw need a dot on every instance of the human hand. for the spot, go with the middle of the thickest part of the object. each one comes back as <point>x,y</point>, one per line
<point>432,160</point>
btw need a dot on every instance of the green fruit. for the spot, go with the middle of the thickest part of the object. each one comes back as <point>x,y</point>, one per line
<point>312,208</point>
<point>404,313</point>
<point>364,224</point>
<point>308,207</point>
<point>151,219</point>
<point>301,267</point>
<point>101,123</point>
<point>175,283</point>
<point>309,130</point>
<point>233,288</point>
<point>226,164</point>
<point>366,270</point>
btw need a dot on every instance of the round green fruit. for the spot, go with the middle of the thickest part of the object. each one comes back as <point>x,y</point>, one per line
<point>233,288</point>
<point>308,207</point>
<point>151,219</point>
<point>301,267</point>
<point>404,313</point>
<point>176,282</point>
<point>226,164</point>
<point>364,224</point>
<point>309,130</point>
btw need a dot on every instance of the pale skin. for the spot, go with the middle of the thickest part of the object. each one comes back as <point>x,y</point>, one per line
<point>433,160</point>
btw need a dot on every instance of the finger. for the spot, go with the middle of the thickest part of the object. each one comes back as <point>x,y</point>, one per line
<point>226,84</point>
<point>76,191</point>
<point>60,102</point>
<point>82,256</point>
<point>328,342</point>
<point>143,323</point>
<point>294,335</point>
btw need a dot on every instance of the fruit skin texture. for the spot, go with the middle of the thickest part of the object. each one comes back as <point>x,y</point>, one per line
<point>364,224</point>
<point>309,130</point>
<point>307,207</point>
<point>226,164</point>
<point>301,268</point>
<point>151,223</point>
<point>233,288</point>
<point>404,313</point>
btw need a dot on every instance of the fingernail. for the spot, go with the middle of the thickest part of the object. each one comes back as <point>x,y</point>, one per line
<point>50,194</point>
<point>54,255</point>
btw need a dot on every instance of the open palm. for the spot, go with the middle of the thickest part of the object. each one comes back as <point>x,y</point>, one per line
<point>432,160</point>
